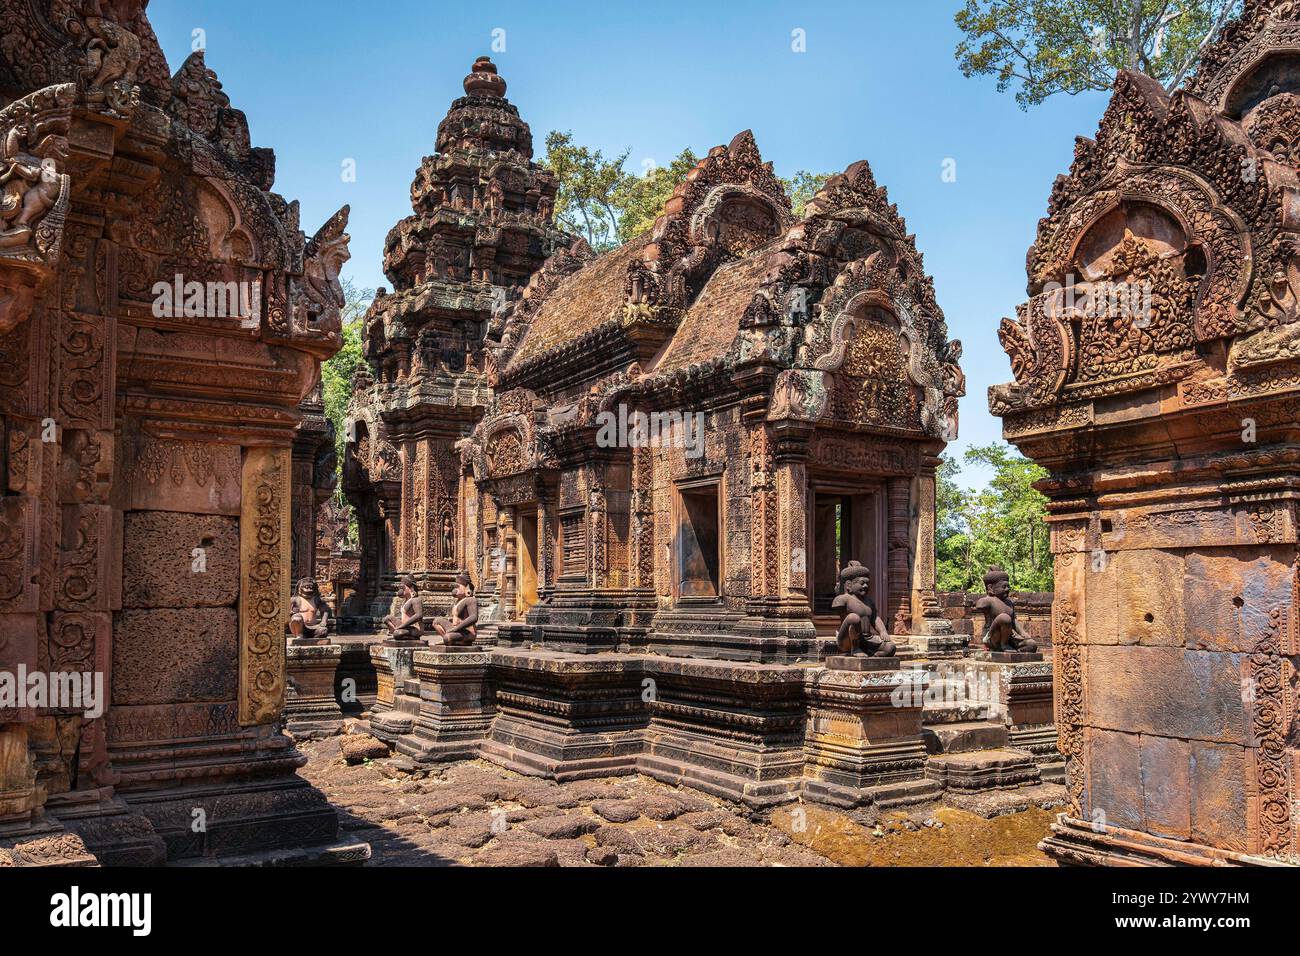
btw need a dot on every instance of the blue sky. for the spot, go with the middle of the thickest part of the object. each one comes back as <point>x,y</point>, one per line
<point>332,80</point>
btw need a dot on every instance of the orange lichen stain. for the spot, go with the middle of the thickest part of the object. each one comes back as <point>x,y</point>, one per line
<point>964,839</point>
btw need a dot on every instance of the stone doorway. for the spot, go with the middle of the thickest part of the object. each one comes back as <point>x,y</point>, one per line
<point>526,596</point>
<point>845,525</point>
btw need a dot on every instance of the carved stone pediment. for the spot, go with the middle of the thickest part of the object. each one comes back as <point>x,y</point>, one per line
<point>1174,232</point>
<point>884,358</point>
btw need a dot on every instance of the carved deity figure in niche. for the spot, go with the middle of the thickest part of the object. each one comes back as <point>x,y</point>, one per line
<point>461,628</point>
<point>1002,632</point>
<point>408,623</point>
<point>862,632</point>
<point>447,539</point>
<point>309,619</point>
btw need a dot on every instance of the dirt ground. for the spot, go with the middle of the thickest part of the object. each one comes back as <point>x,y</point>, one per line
<point>476,814</point>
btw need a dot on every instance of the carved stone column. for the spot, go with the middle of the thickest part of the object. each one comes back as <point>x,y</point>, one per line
<point>390,510</point>
<point>597,528</point>
<point>933,630</point>
<point>792,532</point>
<point>546,546</point>
<point>899,570</point>
<point>507,583</point>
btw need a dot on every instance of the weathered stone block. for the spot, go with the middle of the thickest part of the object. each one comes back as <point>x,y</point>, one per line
<point>159,568</point>
<point>1147,689</point>
<point>1166,787</point>
<point>1115,780</point>
<point>182,476</point>
<point>1218,795</point>
<point>1230,595</point>
<point>1100,617</point>
<point>1149,597</point>
<point>172,656</point>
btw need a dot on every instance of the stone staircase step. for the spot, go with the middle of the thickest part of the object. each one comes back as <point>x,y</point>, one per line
<point>959,713</point>
<point>904,793</point>
<point>997,769</point>
<point>965,736</point>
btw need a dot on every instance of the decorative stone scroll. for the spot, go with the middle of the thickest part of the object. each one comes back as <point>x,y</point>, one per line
<point>264,563</point>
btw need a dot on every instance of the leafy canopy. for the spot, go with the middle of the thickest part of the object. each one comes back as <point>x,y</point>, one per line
<point>606,205</point>
<point>338,371</point>
<point>1044,47</point>
<point>1003,524</point>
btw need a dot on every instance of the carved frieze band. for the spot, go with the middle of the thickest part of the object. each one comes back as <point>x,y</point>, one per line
<point>265,555</point>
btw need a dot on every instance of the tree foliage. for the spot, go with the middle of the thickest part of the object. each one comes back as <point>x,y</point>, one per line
<point>589,185</point>
<point>801,187</point>
<point>606,205</point>
<point>1044,47</point>
<point>338,372</point>
<point>337,375</point>
<point>640,199</point>
<point>1002,524</point>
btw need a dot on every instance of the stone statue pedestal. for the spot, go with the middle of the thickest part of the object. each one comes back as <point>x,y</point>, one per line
<point>308,642</point>
<point>863,740</point>
<point>455,703</point>
<point>1007,657</point>
<point>1018,694</point>
<point>393,665</point>
<point>851,662</point>
<point>414,642</point>
<point>311,707</point>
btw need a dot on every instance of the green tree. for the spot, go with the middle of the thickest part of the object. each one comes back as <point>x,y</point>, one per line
<point>1002,523</point>
<point>952,552</point>
<point>338,372</point>
<point>1046,47</point>
<point>589,188</point>
<point>802,187</point>
<point>600,201</point>
<point>639,200</point>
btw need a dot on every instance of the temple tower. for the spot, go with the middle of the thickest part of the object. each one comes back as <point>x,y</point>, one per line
<point>481,226</point>
<point>1157,378</point>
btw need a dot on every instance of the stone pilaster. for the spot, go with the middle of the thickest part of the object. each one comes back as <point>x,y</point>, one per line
<point>507,580</point>
<point>899,565</point>
<point>265,560</point>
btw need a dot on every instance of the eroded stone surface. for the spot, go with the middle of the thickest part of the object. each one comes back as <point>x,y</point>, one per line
<point>172,656</point>
<point>179,560</point>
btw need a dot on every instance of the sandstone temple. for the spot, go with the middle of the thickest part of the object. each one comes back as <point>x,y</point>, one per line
<point>653,465</point>
<point>665,511</point>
